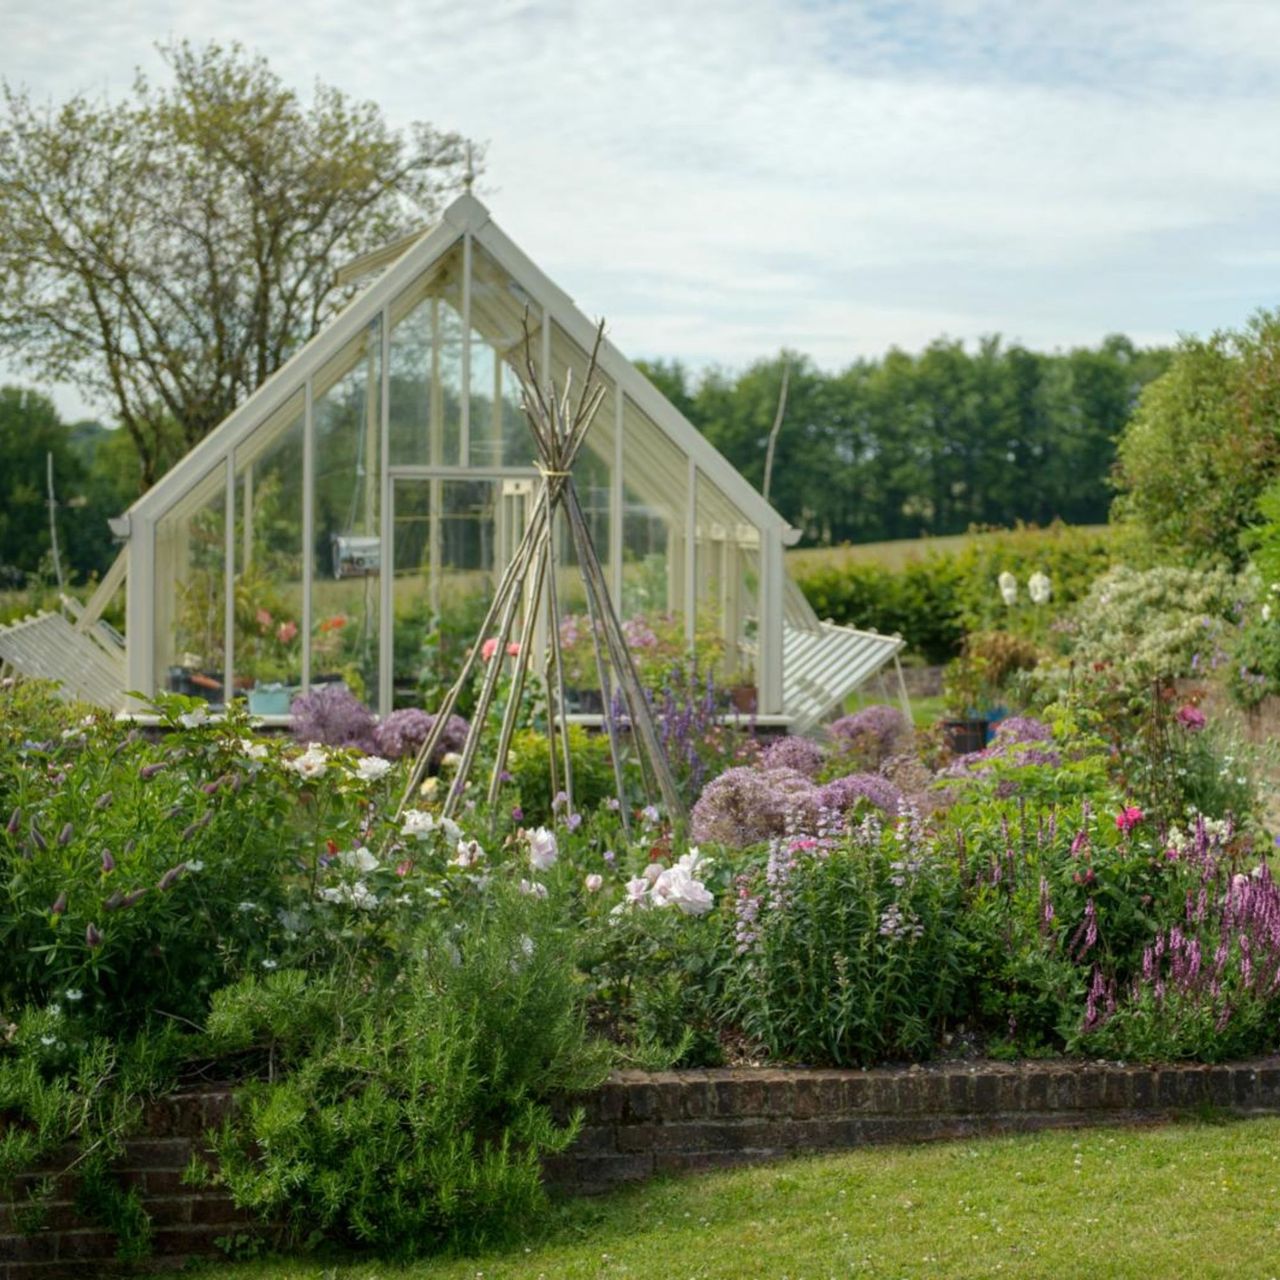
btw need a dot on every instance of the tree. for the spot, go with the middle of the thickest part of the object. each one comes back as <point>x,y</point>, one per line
<point>167,253</point>
<point>1203,445</point>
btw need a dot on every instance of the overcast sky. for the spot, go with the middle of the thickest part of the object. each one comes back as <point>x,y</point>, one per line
<point>723,178</point>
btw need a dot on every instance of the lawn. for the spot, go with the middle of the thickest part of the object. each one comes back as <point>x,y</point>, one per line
<point>1187,1201</point>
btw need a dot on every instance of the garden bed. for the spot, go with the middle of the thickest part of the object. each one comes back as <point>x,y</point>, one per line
<point>640,1124</point>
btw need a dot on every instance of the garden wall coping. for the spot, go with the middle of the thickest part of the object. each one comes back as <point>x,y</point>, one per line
<point>638,1124</point>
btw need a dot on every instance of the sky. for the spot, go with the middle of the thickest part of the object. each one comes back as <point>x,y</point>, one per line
<point>724,179</point>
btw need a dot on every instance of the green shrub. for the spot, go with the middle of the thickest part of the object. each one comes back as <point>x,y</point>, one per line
<point>591,760</point>
<point>1157,624</point>
<point>412,1117</point>
<point>936,601</point>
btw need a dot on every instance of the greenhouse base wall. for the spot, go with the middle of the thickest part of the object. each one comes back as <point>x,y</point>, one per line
<point>639,1124</point>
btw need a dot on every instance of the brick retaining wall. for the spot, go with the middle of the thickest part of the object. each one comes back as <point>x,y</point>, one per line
<point>639,1124</point>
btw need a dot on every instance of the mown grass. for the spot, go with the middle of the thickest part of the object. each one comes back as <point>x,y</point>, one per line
<point>1190,1201</point>
<point>898,554</point>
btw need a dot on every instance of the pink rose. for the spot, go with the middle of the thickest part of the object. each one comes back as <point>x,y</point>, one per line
<point>1191,718</point>
<point>264,619</point>
<point>286,631</point>
<point>488,649</point>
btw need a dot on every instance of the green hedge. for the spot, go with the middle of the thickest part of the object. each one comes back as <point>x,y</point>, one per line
<point>936,601</point>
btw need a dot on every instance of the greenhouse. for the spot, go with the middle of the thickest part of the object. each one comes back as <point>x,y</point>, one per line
<point>348,521</point>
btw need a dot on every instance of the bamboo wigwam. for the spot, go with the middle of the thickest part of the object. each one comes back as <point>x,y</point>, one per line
<point>559,425</point>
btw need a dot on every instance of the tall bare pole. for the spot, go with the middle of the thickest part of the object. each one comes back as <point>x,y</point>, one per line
<point>777,426</point>
<point>53,520</point>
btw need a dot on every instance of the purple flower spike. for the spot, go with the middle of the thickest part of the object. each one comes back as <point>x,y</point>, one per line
<point>38,839</point>
<point>15,821</point>
<point>108,862</point>
<point>114,903</point>
<point>92,936</point>
<point>64,836</point>
<point>149,771</point>
<point>59,905</point>
<point>167,880</point>
<point>104,801</point>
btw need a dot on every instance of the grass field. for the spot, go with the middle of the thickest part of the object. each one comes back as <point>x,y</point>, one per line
<point>1191,1202</point>
<point>895,555</point>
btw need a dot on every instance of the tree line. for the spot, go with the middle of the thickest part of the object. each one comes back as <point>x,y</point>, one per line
<point>927,443</point>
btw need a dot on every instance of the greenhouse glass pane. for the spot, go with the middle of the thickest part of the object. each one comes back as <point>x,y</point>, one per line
<point>190,590</point>
<point>426,367</point>
<point>727,584</point>
<point>592,476</point>
<point>448,536</point>
<point>498,429</point>
<point>268,542</point>
<point>655,488</point>
<point>346,550</point>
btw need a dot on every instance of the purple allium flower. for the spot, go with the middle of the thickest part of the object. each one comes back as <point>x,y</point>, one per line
<point>843,794</point>
<point>403,732</point>
<point>333,716</point>
<point>796,753</point>
<point>1016,729</point>
<point>876,732</point>
<point>744,806</point>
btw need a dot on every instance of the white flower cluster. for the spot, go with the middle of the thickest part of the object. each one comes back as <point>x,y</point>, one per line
<point>1179,840</point>
<point>357,895</point>
<point>423,825</point>
<point>674,886</point>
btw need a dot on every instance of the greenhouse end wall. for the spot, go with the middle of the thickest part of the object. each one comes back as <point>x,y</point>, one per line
<point>349,521</point>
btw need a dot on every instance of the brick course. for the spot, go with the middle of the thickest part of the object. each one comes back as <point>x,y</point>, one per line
<point>639,1124</point>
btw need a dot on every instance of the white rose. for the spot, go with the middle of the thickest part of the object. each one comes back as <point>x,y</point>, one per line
<point>418,823</point>
<point>542,849</point>
<point>312,763</point>
<point>360,860</point>
<point>372,768</point>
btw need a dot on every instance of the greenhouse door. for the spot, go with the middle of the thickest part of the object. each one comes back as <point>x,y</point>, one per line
<point>450,538</point>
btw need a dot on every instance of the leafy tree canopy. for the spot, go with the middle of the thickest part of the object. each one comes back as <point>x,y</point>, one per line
<point>1203,445</point>
<point>167,253</point>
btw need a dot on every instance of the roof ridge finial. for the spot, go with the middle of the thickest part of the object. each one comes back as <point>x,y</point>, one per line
<point>469,174</point>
